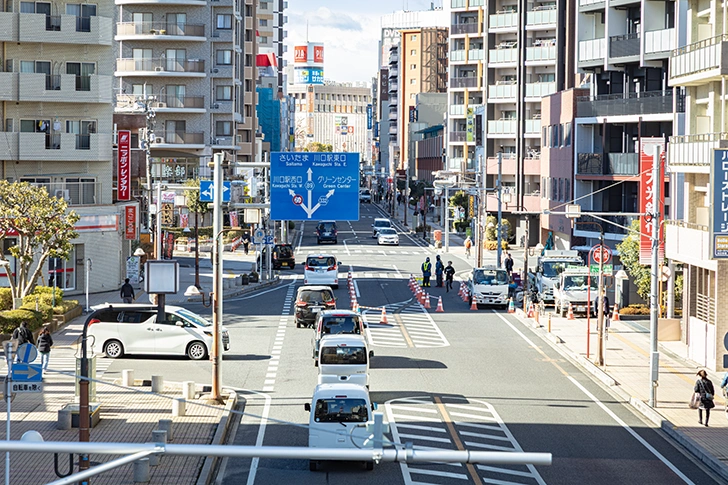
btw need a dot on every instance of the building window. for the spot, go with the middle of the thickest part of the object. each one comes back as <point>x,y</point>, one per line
<point>413,67</point>
<point>224,57</point>
<point>223,128</point>
<point>248,85</point>
<point>413,52</point>
<point>224,93</point>
<point>413,81</point>
<point>263,39</point>
<point>264,22</point>
<point>567,134</point>
<point>263,5</point>
<point>414,36</point>
<point>248,60</point>
<point>224,21</point>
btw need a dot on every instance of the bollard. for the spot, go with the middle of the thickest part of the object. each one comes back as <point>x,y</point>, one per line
<point>157,383</point>
<point>166,425</point>
<point>154,459</point>
<point>127,378</point>
<point>64,419</point>
<point>178,407</point>
<point>188,389</point>
<point>141,470</point>
<point>159,436</point>
<point>549,323</point>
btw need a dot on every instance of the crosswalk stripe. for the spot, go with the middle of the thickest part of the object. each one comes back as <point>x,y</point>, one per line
<point>480,435</point>
<point>412,408</point>
<point>415,418</point>
<point>474,416</point>
<point>422,428</point>
<point>425,438</point>
<point>487,446</point>
<point>424,471</point>
<point>479,426</point>
<point>504,471</point>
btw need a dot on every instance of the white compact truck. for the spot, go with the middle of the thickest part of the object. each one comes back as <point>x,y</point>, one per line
<point>576,288</point>
<point>341,417</point>
<point>550,266</point>
<point>343,358</point>
<point>488,286</point>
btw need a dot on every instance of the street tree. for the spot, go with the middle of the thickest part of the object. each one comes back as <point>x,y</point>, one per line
<point>318,147</point>
<point>41,226</point>
<point>629,254</point>
<point>193,198</point>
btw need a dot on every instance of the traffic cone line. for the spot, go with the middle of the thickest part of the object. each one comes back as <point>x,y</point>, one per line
<point>473,305</point>
<point>511,306</point>
<point>570,315</point>
<point>466,294</point>
<point>427,301</point>
<point>615,313</point>
<point>383,319</point>
<point>439,308</point>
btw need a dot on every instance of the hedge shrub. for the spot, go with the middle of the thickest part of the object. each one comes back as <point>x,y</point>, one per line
<point>493,245</point>
<point>11,319</point>
<point>6,299</point>
<point>46,311</point>
<point>48,290</point>
<point>635,310</point>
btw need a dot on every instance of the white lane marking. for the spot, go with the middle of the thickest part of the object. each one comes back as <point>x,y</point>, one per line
<point>300,237</point>
<point>639,438</point>
<point>399,275</point>
<point>356,288</point>
<point>505,471</point>
<point>424,471</point>
<point>413,408</point>
<point>259,293</point>
<point>346,247</point>
<point>352,228</point>
<point>259,440</point>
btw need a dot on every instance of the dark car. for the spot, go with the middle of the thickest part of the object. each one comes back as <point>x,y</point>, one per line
<point>326,231</point>
<point>310,300</point>
<point>282,256</point>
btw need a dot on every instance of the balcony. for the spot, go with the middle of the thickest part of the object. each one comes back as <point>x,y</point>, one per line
<point>75,193</point>
<point>459,4</point>
<point>457,164</point>
<point>457,109</point>
<point>592,52</point>
<point>457,55</point>
<point>659,43</point>
<point>591,5</point>
<point>197,3</point>
<point>627,45</point>
<point>59,29</point>
<point>392,130</point>
<point>700,62</point>
<point>63,88</point>
<point>503,22</point>
<point>159,31</point>
<point>393,59</point>
<point>592,230</point>
<point>507,57</point>
<point>459,136</point>
<point>509,164</point>
<point>500,93</point>
<point>541,18</point>
<point>126,103</point>
<point>56,147</point>
<point>8,89</point>
<point>540,55</point>
<point>502,128</point>
<point>465,28</point>
<point>694,153</point>
<point>178,139</point>
<point>476,55</point>
<point>533,128</point>
<point>646,103</point>
<point>687,243</point>
<point>539,90</point>
<point>615,164</point>
<point>160,67</point>
<point>464,82</point>
<point>393,72</point>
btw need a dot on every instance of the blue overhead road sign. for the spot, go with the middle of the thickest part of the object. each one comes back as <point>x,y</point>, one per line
<point>27,372</point>
<point>314,186</point>
<point>207,191</point>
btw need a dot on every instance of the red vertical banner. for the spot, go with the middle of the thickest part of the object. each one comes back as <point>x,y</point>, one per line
<point>648,204</point>
<point>234,219</point>
<point>318,54</point>
<point>130,222</point>
<point>123,178</point>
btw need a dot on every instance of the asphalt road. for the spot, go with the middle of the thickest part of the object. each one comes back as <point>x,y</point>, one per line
<point>459,379</point>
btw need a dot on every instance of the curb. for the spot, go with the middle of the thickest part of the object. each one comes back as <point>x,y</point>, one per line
<point>261,286</point>
<point>649,413</point>
<point>211,462</point>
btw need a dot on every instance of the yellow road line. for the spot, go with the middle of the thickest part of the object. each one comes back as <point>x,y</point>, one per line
<point>403,329</point>
<point>456,439</point>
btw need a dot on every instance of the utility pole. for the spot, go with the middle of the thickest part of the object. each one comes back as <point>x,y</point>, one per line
<point>482,213</point>
<point>654,304</point>
<point>447,220</point>
<point>600,300</point>
<point>216,354</point>
<point>499,188</point>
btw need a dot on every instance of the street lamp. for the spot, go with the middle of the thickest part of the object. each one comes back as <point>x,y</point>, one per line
<point>192,290</point>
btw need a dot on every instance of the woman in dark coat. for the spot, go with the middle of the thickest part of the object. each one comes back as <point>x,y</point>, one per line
<point>45,342</point>
<point>704,387</point>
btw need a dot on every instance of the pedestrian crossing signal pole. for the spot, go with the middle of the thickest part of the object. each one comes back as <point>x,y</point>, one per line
<point>657,183</point>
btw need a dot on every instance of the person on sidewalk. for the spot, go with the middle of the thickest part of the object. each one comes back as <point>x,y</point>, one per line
<point>426,272</point>
<point>246,243</point>
<point>439,271</point>
<point>45,342</point>
<point>468,244</point>
<point>23,334</point>
<point>126,292</point>
<point>449,275</point>
<point>607,314</point>
<point>508,263</point>
<point>704,387</point>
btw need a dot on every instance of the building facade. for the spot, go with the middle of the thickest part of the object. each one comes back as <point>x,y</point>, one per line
<point>271,33</point>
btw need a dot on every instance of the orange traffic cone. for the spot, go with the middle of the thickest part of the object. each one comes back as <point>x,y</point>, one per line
<point>460,290</point>
<point>383,320</point>
<point>615,313</point>
<point>474,305</point>
<point>427,301</point>
<point>511,306</point>
<point>466,294</point>
<point>570,315</point>
<point>439,308</point>
<point>530,311</point>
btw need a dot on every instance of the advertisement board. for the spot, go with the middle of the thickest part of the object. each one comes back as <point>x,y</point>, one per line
<point>648,204</point>
<point>719,209</point>
<point>309,54</point>
<point>130,222</point>
<point>318,54</point>
<point>300,54</point>
<point>370,115</point>
<point>123,188</point>
<point>314,75</point>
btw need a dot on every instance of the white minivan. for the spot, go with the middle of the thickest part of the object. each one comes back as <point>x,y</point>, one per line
<point>118,329</point>
<point>343,358</point>
<point>340,414</point>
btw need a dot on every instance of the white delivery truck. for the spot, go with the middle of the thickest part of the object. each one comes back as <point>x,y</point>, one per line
<point>343,358</point>
<point>488,286</point>
<point>340,416</point>
<point>550,266</point>
<point>576,288</point>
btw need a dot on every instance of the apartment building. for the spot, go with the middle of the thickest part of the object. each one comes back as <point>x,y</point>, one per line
<point>57,131</point>
<point>699,65</point>
<point>270,35</point>
<point>623,53</point>
<point>505,56</point>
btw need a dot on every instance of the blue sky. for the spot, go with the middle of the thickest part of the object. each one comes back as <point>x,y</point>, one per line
<point>350,30</point>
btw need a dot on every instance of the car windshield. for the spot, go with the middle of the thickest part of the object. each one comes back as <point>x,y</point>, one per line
<point>365,192</point>
<point>341,410</point>
<point>326,226</point>
<point>553,269</point>
<point>490,277</point>
<point>285,251</point>
<point>387,232</point>
<point>579,283</point>
<point>315,296</point>
<point>382,224</point>
<point>321,262</point>
<point>343,356</point>
<point>335,325</point>
<point>195,318</point>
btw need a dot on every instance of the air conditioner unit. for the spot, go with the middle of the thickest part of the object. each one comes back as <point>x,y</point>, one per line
<point>161,104</point>
<point>158,139</point>
<point>159,69</point>
<point>63,194</point>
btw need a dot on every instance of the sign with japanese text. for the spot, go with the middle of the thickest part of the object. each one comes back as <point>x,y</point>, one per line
<point>234,219</point>
<point>648,204</point>
<point>370,116</point>
<point>719,203</point>
<point>470,125</point>
<point>318,54</point>
<point>130,222</point>
<point>300,53</point>
<point>123,180</point>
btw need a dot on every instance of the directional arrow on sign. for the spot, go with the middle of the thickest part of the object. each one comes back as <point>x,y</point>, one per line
<point>27,372</point>
<point>309,187</point>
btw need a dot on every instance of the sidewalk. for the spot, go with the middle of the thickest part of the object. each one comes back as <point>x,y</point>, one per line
<point>627,352</point>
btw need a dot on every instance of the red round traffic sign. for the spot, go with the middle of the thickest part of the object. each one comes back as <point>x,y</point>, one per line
<point>601,254</point>
<point>297,199</point>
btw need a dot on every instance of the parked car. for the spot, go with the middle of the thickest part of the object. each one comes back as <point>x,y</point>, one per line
<point>282,256</point>
<point>336,322</point>
<point>310,302</point>
<point>119,329</point>
<point>321,269</point>
<point>380,223</point>
<point>326,231</point>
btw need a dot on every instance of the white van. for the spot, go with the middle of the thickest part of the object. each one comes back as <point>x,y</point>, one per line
<point>119,329</point>
<point>343,358</point>
<point>340,414</point>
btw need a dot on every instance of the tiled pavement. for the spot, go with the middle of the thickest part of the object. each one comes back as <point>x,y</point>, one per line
<point>627,363</point>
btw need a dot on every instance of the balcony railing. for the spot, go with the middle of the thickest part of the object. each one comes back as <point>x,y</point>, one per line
<point>503,20</point>
<point>458,136</point>
<point>541,16</point>
<point>624,45</point>
<point>160,65</point>
<point>503,56</point>
<point>457,55</point>
<point>650,102</point>
<point>465,28</point>
<point>706,55</point>
<point>502,127</point>
<point>457,109</point>
<point>695,150</point>
<point>502,91</point>
<point>658,41</point>
<point>592,50</point>
<point>533,127</point>
<point>539,90</point>
<point>178,138</point>
<point>53,82</point>
<point>464,82</point>
<point>459,3</point>
<point>615,164</point>
<point>588,3</point>
<point>160,28</point>
<point>541,53</point>
<point>476,54</point>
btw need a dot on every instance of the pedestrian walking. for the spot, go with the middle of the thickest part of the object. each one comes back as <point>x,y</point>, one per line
<point>468,244</point>
<point>449,275</point>
<point>126,292</point>
<point>508,263</point>
<point>23,334</point>
<point>607,314</point>
<point>439,271</point>
<point>704,393</point>
<point>45,342</point>
<point>426,272</point>
<point>246,242</point>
